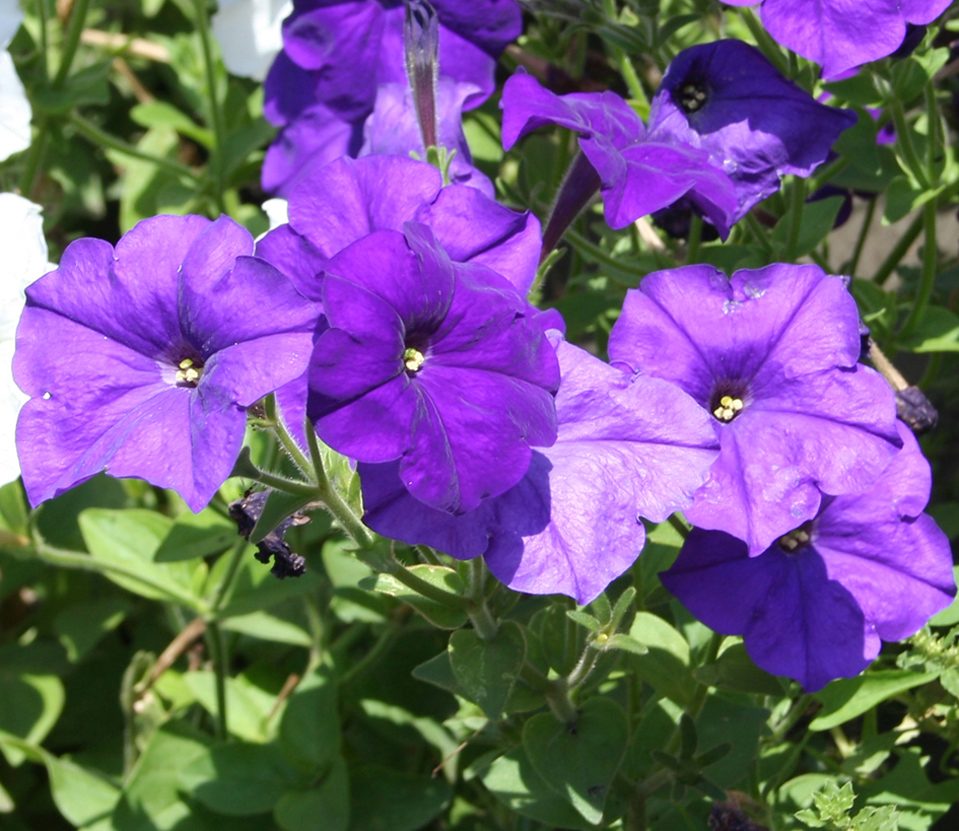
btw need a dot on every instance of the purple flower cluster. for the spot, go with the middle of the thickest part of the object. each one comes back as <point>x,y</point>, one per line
<point>809,540</point>
<point>724,126</point>
<point>339,87</point>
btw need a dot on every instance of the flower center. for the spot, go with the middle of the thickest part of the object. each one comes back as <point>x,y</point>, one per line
<point>728,408</point>
<point>691,96</point>
<point>796,540</point>
<point>188,373</point>
<point>412,359</point>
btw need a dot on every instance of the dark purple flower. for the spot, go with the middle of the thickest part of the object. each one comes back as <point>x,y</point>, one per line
<point>344,201</point>
<point>772,355</point>
<point>441,365</point>
<point>637,174</point>
<point>626,447</point>
<point>841,35</point>
<point>727,99</point>
<point>141,361</point>
<point>815,605</point>
<point>337,54</point>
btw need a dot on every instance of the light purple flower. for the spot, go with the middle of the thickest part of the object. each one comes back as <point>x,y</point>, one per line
<point>816,604</point>
<point>441,365</point>
<point>337,54</point>
<point>627,447</point>
<point>727,99</point>
<point>637,173</point>
<point>772,355</point>
<point>842,35</point>
<point>141,361</point>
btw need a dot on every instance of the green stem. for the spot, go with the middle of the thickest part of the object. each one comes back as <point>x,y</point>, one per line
<point>764,41</point>
<point>905,145</point>
<point>214,639</point>
<point>41,6</point>
<point>597,253</point>
<point>386,639</point>
<point>479,612</point>
<point>789,720</point>
<point>932,137</point>
<point>796,203</point>
<point>585,665</point>
<point>895,256</point>
<point>420,586</point>
<point>861,239</point>
<point>225,588</point>
<point>335,503</point>
<point>78,17</point>
<point>34,157</point>
<point>300,459</point>
<point>626,68</point>
<point>278,483</point>
<point>532,677</point>
<point>97,136</point>
<point>759,233</point>
<point>930,262</point>
<point>216,112</point>
<point>84,562</point>
<point>695,238</point>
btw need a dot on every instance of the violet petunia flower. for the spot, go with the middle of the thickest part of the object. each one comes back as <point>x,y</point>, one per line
<point>438,364</point>
<point>772,354</point>
<point>817,603</point>
<point>726,98</point>
<point>141,361</point>
<point>342,202</point>
<point>841,35</point>
<point>626,448</point>
<point>636,172</point>
<point>336,55</point>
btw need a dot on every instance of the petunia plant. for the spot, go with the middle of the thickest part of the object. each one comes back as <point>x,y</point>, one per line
<point>566,444</point>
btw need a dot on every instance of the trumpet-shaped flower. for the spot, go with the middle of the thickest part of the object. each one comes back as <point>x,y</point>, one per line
<point>443,366</point>
<point>626,448</point>
<point>141,361</point>
<point>842,35</point>
<point>818,602</point>
<point>726,98</point>
<point>772,355</point>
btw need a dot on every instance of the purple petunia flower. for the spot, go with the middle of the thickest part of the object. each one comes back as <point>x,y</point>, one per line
<point>344,201</point>
<point>816,603</point>
<point>638,174</point>
<point>441,365</point>
<point>141,361</point>
<point>772,355</point>
<point>336,55</point>
<point>842,35</point>
<point>727,99</point>
<point>626,447</point>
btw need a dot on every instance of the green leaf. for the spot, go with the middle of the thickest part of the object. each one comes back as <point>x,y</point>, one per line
<point>31,705</point>
<point>298,810</point>
<point>310,729</point>
<point>279,506</point>
<point>88,86</point>
<point>268,628</point>
<point>583,619</point>
<point>847,698</point>
<point>903,197</point>
<point>248,707</point>
<point>950,615</point>
<point>818,218</point>
<point>164,114</point>
<point>666,665</point>
<point>735,670</point>
<point>13,508</point>
<point>350,603</point>
<point>443,577</point>
<point>384,800</point>
<point>81,627</point>
<point>82,796</point>
<point>626,643</point>
<point>579,760</point>
<point>196,535</point>
<point>131,538</point>
<point>152,799</point>
<point>487,670</point>
<point>938,331</point>
<point>514,782</point>
<point>238,779</point>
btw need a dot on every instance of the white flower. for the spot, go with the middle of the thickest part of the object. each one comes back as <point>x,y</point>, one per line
<point>25,260</point>
<point>250,34</point>
<point>14,108</point>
